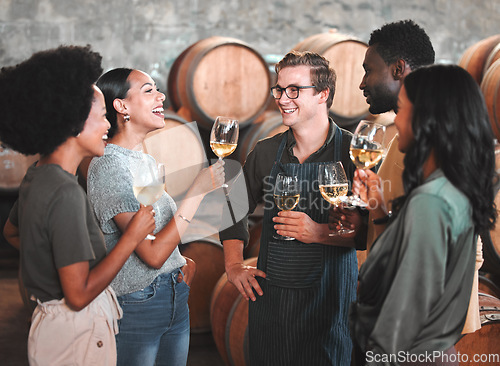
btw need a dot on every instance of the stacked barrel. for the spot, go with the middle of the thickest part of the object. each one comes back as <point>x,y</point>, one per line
<point>482,61</point>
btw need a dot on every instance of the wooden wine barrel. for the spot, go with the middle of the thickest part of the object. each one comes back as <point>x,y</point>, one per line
<point>483,342</point>
<point>209,258</point>
<point>492,57</point>
<point>474,58</point>
<point>237,333</point>
<point>271,125</point>
<point>173,95</point>
<point>491,238</point>
<point>346,55</point>
<point>223,297</point>
<point>178,146</point>
<point>487,286</point>
<point>490,86</point>
<point>13,167</point>
<point>229,317</point>
<point>220,76</point>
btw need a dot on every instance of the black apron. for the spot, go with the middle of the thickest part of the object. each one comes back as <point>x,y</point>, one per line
<point>302,317</point>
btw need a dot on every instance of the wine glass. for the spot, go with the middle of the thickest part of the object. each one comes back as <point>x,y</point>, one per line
<point>148,184</point>
<point>223,142</point>
<point>333,185</point>
<point>366,151</point>
<point>286,196</point>
<point>224,137</point>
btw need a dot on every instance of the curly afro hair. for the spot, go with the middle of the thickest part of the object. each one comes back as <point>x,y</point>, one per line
<point>47,98</point>
<point>405,40</point>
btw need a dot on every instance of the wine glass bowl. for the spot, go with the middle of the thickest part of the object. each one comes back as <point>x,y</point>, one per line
<point>367,144</point>
<point>148,184</point>
<point>367,149</point>
<point>286,196</point>
<point>333,186</point>
<point>224,136</point>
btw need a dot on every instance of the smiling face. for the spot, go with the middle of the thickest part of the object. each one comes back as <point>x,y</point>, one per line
<point>91,138</point>
<point>379,85</point>
<point>144,102</point>
<point>403,121</point>
<point>309,105</point>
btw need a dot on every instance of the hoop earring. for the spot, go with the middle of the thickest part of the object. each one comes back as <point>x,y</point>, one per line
<point>126,118</point>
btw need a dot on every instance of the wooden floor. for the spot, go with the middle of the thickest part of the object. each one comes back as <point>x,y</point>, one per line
<point>14,322</point>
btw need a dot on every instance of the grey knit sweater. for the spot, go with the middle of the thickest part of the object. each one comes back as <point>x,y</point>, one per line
<point>109,188</point>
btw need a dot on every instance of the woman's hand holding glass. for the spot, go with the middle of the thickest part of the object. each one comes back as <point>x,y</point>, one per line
<point>368,186</point>
<point>142,223</point>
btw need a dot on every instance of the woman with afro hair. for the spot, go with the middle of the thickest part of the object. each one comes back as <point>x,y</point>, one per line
<point>415,286</point>
<point>51,106</point>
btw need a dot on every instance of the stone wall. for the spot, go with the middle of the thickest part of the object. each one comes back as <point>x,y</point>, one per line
<point>150,34</point>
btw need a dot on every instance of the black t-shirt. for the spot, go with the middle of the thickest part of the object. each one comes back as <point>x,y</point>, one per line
<point>258,166</point>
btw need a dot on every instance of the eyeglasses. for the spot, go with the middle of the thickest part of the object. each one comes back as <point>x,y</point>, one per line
<point>292,91</point>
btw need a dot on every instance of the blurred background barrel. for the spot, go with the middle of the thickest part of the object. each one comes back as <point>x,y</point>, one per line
<point>13,167</point>
<point>229,314</point>
<point>493,56</point>
<point>491,248</point>
<point>204,247</point>
<point>474,58</point>
<point>219,76</point>
<point>346,55</point>
<point>223,298</point>
<point>270,125</point>
<point>490,86</point>
<point>484,341</point>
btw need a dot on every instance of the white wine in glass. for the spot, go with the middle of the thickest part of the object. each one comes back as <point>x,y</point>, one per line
<point>222,149</point>
<point>367,149</point>
<point>148,184</point>
<point>366,158</point>
<point>224,137</point>
<point>333,185</point>
<point>286,196</point>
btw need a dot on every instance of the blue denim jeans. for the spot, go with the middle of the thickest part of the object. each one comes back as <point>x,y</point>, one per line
<point>154,329</point>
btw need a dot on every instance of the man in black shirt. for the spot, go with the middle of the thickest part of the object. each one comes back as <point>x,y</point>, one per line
<point>301,288</point>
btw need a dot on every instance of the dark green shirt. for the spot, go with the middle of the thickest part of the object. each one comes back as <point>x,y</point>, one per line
<point>414,288</point>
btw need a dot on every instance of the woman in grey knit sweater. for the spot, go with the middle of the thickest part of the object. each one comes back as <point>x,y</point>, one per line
<point>154,329</point>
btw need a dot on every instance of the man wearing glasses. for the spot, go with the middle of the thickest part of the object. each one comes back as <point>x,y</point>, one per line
<point>301,288</point>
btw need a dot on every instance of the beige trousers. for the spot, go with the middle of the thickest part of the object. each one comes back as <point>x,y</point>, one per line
<point>61,336</point>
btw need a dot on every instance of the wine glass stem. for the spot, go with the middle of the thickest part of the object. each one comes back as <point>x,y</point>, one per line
<point>224,185</point>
